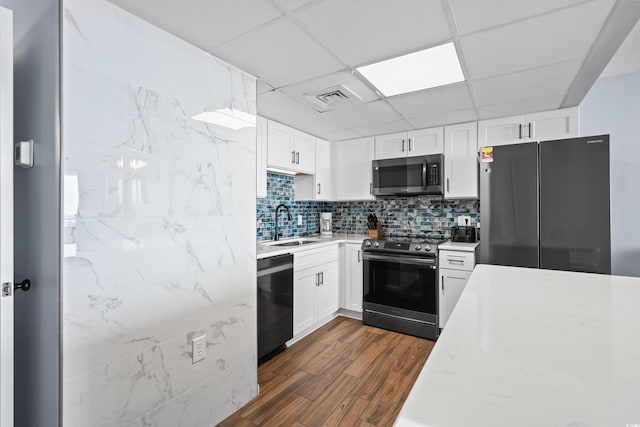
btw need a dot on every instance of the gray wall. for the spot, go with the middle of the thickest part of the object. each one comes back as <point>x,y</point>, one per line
<point>37,254</point>
<point>612,106</point>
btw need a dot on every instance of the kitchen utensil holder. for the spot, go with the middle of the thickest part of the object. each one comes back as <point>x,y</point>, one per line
<point>376,233</point>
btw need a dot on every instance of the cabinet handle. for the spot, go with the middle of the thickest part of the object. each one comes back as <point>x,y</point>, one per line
<point>530,135</point>
<point>442,283</point>
<point>459,261</point>
<point>322,278</point>
<point>317,279</point>
<point>297,158</point>
<point>318,188</point>
<point>293,156</point>
<point>447,185</point>
<point>371,188</point>
<point>359,255</point>
<point>520,131</point>
<point>403,145</point>
<point>409,144</point>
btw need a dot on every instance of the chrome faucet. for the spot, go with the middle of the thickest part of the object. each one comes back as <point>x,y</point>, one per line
<point>278,233</point>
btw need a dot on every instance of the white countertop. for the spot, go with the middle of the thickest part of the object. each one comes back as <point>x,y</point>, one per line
<point>458,246</point>
<point>264,249</point>
<point>527,347</point>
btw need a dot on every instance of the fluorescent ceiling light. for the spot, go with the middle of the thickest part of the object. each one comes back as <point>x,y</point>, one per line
<point>227,117</point>
<point>437,66</point>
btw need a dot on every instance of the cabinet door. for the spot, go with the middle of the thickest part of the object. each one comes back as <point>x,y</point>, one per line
<point>324,176</point>
<point>426,141</point>
<point>305,152</point>
<point>502,131</point>
<point>556,124</point>
<point>461,161</point>
<point>280,149</point>
<point>353,163</point>
<point>391,146</point>
<point>304,299</point>
<point>261,157</point>
<point>327,292</point>
<point>452,283</point>
<point>353,277</point>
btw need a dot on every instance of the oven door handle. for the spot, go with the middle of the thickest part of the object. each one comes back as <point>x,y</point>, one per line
<point>399,259</point>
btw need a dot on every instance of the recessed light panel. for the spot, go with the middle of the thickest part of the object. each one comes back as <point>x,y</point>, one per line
<point>437,66</point>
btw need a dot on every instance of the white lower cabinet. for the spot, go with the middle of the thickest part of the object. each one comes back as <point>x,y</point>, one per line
<point>315,287</point>
<point>352,277</point>
<point>455,268</point>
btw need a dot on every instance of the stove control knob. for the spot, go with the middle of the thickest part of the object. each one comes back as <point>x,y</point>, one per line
<point>427,248</point>
<point>417,248</point>
<point>367,243</point>
<point>376,244</point>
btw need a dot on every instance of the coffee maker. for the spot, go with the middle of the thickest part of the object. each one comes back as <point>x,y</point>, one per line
<point>326,224</point>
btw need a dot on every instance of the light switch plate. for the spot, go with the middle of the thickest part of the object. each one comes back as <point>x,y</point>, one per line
<point>299,219</point>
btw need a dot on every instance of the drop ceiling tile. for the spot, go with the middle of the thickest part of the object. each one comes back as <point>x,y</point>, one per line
<point>520,107</point>
<point>290,5</point>
<point>447,118</point>
<point>205,24</point>
<point>345,78</point>
<point>278,54</point>
<point>315,124</point>
<point>383,128</point>
<point>263,87</point>
<point>363,114</point>
<point>341,135</point>
<point>281,107</point>
<point>433,101</point>
<point>553,80</point>
<point>553,38</point>
<point>364,31</point>
<point>474,15</point>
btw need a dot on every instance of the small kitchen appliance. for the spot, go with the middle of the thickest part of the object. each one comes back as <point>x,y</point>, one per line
<point>326,224</point>
<point>463,233</point>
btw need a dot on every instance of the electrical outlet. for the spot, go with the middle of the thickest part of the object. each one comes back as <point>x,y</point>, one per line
<point>198,348</point>
<point>299,219</point>
<point>464,220</point>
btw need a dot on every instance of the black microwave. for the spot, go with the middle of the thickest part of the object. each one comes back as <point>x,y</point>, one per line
<point>409,176</point>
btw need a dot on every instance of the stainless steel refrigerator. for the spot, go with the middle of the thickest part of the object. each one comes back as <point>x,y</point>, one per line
<point>546,205</point>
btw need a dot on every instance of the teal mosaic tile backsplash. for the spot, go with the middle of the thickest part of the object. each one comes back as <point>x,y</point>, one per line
<point>402,215</point>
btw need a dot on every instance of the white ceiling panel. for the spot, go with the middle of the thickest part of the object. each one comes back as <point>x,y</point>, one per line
<point>383,128</point>
<point>290,5</point>
<point>549,39</point>
<point>345,78</point>
<point>364,31</point>
<point>263,87</point>
<point>279,54</point>
<point>446,118</point>
<point>315,124</point>
<point>525,106</point>
<point>205,24</point>
<point>474,15</point>
<point>433,101</point>
<point>539,82</point>
<point>363,114</point>
<point>281,107</point>
<point>341,135</point>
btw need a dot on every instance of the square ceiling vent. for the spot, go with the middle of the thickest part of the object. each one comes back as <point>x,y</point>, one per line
<point>332,97</point>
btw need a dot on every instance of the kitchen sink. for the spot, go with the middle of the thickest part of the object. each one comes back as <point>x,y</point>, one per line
<point>294,243</point>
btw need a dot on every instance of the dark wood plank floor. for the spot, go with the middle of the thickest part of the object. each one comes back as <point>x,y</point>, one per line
<point>343,374</point>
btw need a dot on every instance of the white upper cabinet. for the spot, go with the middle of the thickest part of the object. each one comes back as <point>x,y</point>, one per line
<point>261,157</point>
<point>554,124</point>
<point>413,143</point>
<point>321,185</point>
<point>290,149</point>
<point>353,169</point>
<point>461,163</point>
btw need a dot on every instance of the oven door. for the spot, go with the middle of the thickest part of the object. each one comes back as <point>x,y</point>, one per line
<point>402,286</point>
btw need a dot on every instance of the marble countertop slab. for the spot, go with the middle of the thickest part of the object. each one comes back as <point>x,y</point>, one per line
<point>528,347</point>
<point>266,248</point>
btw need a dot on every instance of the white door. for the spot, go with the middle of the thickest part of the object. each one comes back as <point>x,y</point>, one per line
<point>555,124</point>
<point>305,152</point>
<point>461,161</point>
<point>426,141</point>
<point>392,146</point>
<point>304,299</point>
<point>327,292</point>
<point>353,166</point>
<point>6,217</point>
<point>502,131</point>
<point>353,277</point>
<point>280,151</point>
<point>325,188</point>
<point>451,286</point>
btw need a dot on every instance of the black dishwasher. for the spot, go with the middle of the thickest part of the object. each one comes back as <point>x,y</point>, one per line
<point>275,304</point>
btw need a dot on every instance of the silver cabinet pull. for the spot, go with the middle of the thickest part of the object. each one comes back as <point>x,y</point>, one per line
<point>459,261</point>
<point>371,188</point>
<point>403,145</point>
<point>520,131</point>
<point>447,185</point>
<point>530,135</point>
<point>442,283</point>
<point>359,255</point>
<point>317,279</point>
<point>297,158</point>
<point>293,156</point>
<point>318,188</point>
<point>409,144</point>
